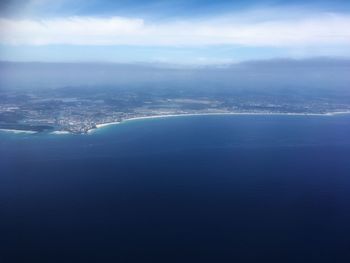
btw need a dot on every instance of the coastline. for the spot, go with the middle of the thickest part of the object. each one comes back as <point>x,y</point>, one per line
<point>106,124</point>
<point>216,113</point>
<point>236,113</point>
<point>60,132</point>
<point>103,125</point>
<point>18,131</point>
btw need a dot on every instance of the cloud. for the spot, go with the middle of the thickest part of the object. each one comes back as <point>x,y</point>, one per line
<point>324,29</point>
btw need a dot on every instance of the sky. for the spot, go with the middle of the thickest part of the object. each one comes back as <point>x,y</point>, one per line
<point>180,32</point>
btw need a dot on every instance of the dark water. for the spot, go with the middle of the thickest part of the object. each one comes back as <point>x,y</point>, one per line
<point>184,189</point>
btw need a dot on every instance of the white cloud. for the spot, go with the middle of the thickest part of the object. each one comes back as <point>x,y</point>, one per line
<point>317,30</point>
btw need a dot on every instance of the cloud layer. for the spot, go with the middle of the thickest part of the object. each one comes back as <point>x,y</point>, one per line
<point>324,29</point>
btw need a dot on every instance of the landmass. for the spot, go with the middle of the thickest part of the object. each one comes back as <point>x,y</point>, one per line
<point>79,110</point>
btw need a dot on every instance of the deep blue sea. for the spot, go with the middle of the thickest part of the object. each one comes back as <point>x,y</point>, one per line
<point>181,189</point>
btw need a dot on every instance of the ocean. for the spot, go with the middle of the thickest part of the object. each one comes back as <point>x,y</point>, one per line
<point>250,188</point>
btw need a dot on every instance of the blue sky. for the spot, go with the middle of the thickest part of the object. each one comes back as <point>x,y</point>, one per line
<point>192,31</point>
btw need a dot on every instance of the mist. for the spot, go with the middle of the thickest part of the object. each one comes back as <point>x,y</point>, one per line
<point>322,74</point>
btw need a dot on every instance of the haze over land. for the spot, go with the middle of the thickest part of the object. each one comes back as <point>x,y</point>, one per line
<point>318,73</point>
<point>77,97</point>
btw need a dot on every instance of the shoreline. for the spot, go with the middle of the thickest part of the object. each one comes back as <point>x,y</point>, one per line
<point>60,132</point>
<point>216,113</point>
<point>237,113</point>
<point>103,125</point>
<point>106,124</point>
<point>18,131</point>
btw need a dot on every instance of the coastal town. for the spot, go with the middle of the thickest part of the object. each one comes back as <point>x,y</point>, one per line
<point>60,111</point>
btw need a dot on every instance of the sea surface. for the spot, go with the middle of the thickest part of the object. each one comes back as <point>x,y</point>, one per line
<point>181,189</point>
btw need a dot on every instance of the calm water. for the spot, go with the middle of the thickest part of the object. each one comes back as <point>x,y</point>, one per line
<point>183,189</point>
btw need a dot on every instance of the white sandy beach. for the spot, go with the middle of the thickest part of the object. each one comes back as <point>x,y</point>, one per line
<point>337,113</point>
<point>216,113</point>
<point>60,132</point>
<point>102,125</point>
<point>106,124</point>
<point>236,113</point>
<point>226,113</point>
<point>18,131</point>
